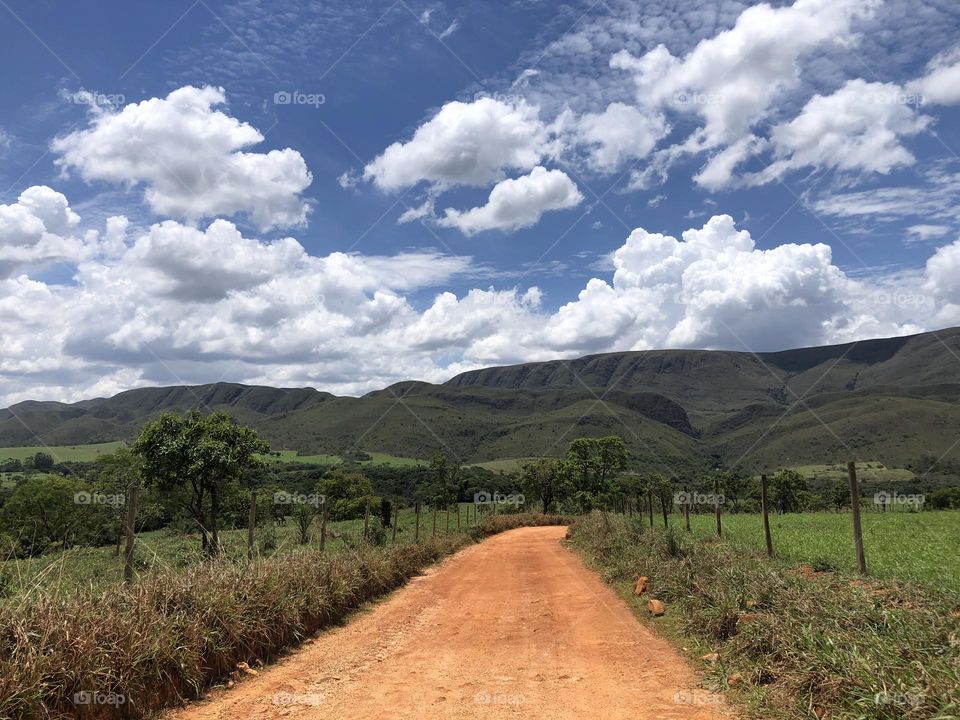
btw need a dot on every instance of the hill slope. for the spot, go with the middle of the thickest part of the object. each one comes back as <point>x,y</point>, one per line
<point>888,399</point>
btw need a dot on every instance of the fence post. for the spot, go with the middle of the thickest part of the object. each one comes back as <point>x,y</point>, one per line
<point>366,520</point>
<point>855,506</point>
<point>323,526</point>
<point>446,512</point>
<point>251,523</point>
<point>458,515</point>
<point>650,505</point>
<point>765,504</point>
<point>716,502</point>
<point>134,492</point>
<point>434,508</point>
<point>416,536</point>
<point>686,511</point>
<point>396,519</point>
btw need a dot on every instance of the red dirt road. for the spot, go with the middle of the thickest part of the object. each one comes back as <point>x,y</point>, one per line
<point>515,627</point>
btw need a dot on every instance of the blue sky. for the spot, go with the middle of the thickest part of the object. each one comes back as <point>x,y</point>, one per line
<point>534,138</point>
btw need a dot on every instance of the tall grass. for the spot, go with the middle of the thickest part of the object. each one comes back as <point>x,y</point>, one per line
<point>805,644</point>
<point>167,639</point>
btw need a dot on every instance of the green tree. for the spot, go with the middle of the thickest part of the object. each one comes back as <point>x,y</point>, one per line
<point>201,455</point>
<point>548,480</point>
<point>43,461</point>
<point>50,509</point>
<point>786,489</point>
<point>596,461</point>
<point>345,493</point>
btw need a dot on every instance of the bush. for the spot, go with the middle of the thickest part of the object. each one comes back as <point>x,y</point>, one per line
<point>376,532</point>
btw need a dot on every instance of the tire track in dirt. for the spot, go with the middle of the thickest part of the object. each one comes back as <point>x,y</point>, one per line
<point>513,627</point>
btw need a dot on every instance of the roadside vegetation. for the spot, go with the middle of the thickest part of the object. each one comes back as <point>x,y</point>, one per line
<point>788,641</point>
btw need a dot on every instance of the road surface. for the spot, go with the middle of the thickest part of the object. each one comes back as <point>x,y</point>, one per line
<point>514,627</point>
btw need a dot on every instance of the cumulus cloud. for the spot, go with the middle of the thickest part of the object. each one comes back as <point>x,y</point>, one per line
<point>463,144</point>
<point>940,85</point>
<point>619,134</point>
<point>37,230</point>
<point>732,79</point>
<point>517,203</point>
<point>191,158</point>
<point>857,128</point>
<point>162,308</point>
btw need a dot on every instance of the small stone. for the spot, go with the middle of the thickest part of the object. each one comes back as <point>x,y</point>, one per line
<point>734,679</point>
<point>711,657</point>
<point>641,586</point>
<point>655,607</point>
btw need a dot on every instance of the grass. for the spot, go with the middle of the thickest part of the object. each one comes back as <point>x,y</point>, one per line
<point>922,547</point>
<point>62,453</point>
<point>791,644</point>
<point>867,472</point>
<point>167,550</point>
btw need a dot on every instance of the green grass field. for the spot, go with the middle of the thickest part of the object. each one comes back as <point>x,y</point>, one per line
<point>165,549</point>
<point>922,547</point>
<point>62,453</point>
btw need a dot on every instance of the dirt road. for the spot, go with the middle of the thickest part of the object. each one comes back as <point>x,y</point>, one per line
<point>514,627</point>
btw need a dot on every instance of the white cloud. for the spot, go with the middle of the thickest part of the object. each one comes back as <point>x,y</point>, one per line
<point>463,144</point>
<point>941,83</point>
<point>732,79</point>
<point>517,203</point>
<point>925,232</point>
<point>619,134</point>
<point>37,230</point>
<point>857,128</point>
<point>191,159</point>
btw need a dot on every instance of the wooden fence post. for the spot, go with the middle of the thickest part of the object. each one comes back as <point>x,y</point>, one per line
<point>716,502</point>
<point>323,527</point>
<point>686,511</point>
<point>446,512</point>
<point>396,519</point>
<point>650,505</point>
<point>251,523</point>
<point>416,536</point>
<point>131,521</point>
<point>458,515</point>
<point>765,505</point>
<point>855,506</point>
<point>434,534</point>
<point>366,520</point>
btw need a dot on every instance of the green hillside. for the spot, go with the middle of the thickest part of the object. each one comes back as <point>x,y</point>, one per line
<point>888,400</point>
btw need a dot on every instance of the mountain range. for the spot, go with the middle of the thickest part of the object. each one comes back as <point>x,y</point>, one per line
<point>889,400</point>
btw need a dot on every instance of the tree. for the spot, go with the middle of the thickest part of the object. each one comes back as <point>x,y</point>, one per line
<point>838,497</point>
<point>786,487</point>
<point>663,491</point>
<point>345,493</point>
<point>548,480</point>
<point>43,462</point>
<point>49,509</point>
<point>446,477</point>
<point>116,475</point>
<point>202,455</point>
<point>735,484</point>
<point>596,461</point>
